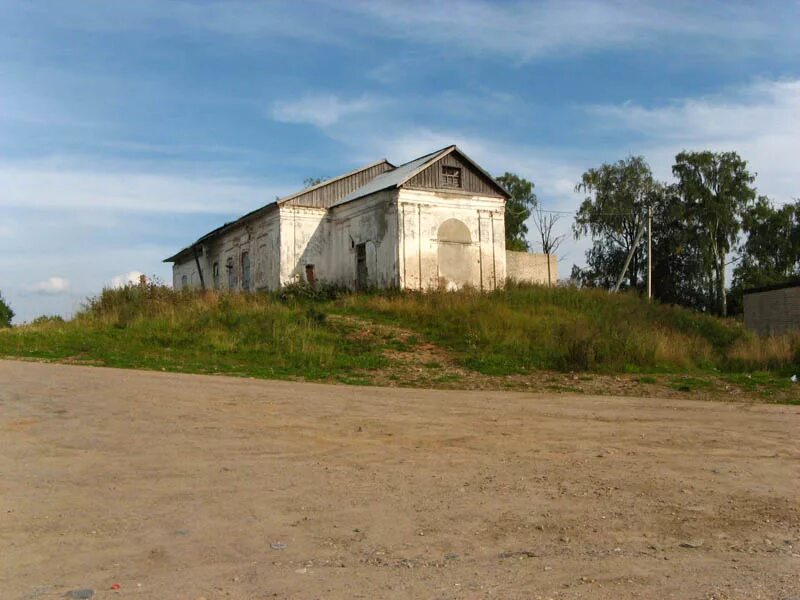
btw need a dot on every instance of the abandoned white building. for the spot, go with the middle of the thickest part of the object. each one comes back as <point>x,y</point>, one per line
<point>434,222</point>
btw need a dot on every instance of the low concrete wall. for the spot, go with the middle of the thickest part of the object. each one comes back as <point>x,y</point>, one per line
<point>773,312</point>
<point>530,267</point>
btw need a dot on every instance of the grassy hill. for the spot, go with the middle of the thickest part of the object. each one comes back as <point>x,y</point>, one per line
<point>502,337</point>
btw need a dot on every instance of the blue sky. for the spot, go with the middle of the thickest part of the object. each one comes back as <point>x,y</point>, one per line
<point>127,129</point>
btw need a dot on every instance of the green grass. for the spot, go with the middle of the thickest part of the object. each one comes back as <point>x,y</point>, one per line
<point>763,384</point>
<point>690,384</point>
<point>345,337</point>
<point>236,334</point>
<point>527,328</point>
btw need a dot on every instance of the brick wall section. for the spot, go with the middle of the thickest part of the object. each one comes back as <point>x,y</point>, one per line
<point>773,312</point>
<point>530,267</point>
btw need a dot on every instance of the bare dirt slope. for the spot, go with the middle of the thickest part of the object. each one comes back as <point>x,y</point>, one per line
<point>185,486</point>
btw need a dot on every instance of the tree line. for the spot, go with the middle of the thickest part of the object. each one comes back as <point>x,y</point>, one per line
<point>710,218</point>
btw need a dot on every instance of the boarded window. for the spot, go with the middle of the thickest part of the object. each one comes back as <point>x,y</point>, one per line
<point>183,282</point>
<point>310,277</point>
<point>246,271</point>
<point>362,276</point>
<point>215,275</point>
<point>451,176</point>
<point>231,274</point>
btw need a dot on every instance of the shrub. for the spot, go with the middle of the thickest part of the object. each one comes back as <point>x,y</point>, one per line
<point>294,333</point>
<point>6,314</point>
<point>48,320</point>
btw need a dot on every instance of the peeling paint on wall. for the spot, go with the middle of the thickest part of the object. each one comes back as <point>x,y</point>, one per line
<point>412,239</point>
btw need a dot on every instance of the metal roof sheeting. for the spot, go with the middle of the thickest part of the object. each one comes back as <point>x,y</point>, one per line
<point>393,178</point>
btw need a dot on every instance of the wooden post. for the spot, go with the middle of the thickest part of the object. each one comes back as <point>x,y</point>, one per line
<point>199,270</point>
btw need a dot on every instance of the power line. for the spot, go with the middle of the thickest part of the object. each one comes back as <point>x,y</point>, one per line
<point>574,212</point>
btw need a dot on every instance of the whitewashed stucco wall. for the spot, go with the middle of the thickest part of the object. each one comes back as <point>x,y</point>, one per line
<point>259,237</point>
<point>303,241</point>
<point>371,221</point>
<point>327,239</point>
<point>403,235</point>
<point>428,262</point>
<point>531,267</point>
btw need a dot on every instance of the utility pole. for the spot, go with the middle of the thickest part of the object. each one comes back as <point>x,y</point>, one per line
<point>638,239</point>
<point>650,252</point>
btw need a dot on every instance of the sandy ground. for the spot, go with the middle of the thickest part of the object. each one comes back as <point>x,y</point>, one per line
<point>186,486</point>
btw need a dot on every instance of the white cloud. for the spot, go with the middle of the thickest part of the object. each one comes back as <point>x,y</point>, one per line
<point>51,286</point>
<point>527,30</point>
<point>760,121</point>
<point>126,278</point>
<point>320,110</point>
<point>8,229</point>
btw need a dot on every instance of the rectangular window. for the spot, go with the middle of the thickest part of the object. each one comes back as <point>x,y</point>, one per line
<point>215,275</point>
<point>231,274</point>
<point>246,271</point>
<point>184,282</point>
<point>451,176</point>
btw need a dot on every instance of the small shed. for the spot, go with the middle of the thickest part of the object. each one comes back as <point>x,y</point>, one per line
<point>773,309</point>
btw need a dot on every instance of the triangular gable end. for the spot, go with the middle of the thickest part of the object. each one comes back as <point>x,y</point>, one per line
<point>454,170</point>
<point>327,193</point>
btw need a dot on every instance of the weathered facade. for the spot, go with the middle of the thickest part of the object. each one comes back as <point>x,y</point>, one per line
<point>532,268</point>
<point>436,222</point>
<point>774,309</point>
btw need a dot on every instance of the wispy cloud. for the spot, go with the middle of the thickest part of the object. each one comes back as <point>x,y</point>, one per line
<point>62,184</point>
<point>518,30</point>
<point>526,30</point>
<point>760,121</point>
<point>321,110</point>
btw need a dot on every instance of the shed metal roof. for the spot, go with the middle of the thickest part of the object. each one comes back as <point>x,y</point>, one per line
<point>774,286</point>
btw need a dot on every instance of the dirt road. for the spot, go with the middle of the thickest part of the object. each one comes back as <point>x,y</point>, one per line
<point>185,486</point>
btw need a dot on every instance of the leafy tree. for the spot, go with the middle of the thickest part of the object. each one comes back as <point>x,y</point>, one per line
<point>310,182</point>
<point>771,250</point>
<point>679,274</point>
<point>617,199</point>
<point>716,188</point>
<point>518,209</point>
<point>6,314</point>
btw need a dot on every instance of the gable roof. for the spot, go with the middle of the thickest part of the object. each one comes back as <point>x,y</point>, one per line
<point>403,173</point>
<point>272,205</point>
<point>332,180</point>
<point>222,229</point>
<point>394,178</point>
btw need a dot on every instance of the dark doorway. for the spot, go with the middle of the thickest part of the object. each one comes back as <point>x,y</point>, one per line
<point>310,277</point>
<point>361,267</point>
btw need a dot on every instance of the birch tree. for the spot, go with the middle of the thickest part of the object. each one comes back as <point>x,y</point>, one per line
<point>717,189</point>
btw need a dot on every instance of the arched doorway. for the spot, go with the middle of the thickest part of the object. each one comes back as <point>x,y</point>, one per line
<point>457,256</point>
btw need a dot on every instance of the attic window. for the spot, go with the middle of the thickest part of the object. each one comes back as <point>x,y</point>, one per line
<point>451,176</point>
